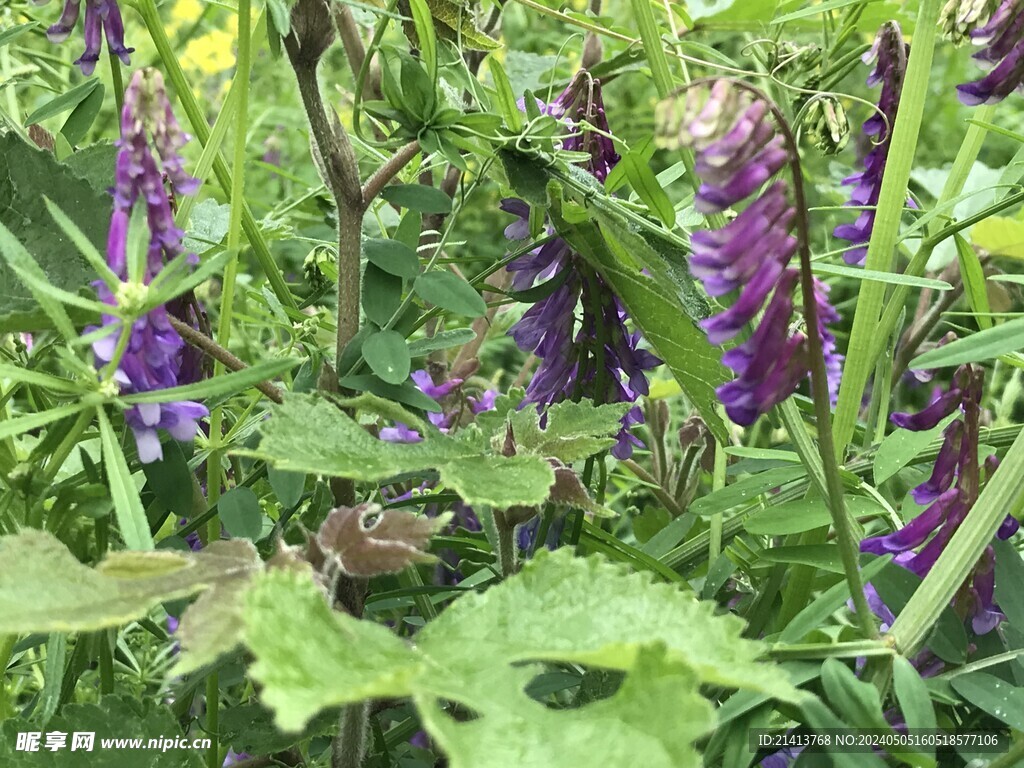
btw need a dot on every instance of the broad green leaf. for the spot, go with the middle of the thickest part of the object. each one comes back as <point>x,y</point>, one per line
<point>446,290</point>
<point>425,36</point>
<point>644,183</point>
<point>388,356</point>
<point>856,701</point>
<point>1009,578</point>
<point>43,587</point>
<point>574,431</point>
<point>901,447</point>
<point>1000,235</point>
<point>652,720</point>
<point>393,256</point>
<point>418,197</point>
<point>505,95</point>
<point>454,21</point>
<point>240,513</point>
<point>1001,699</point>
<point>27,177</point>
<point>64,102</point>
<point>517,480</point>
<point>112,718</point>
<point>309,658</point>
<point>822,557</point>
<point>980,346</point>
<point>382,293</point>
<point>342,448</point>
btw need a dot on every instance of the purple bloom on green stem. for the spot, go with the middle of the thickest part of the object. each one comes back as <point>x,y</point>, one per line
<point>1003,40</point>
<point>154,354</point>
<point>590,353</point>
<point>889,53</point>
<point>941,407</point>
<point>102,18</point>
<point>945,468</point>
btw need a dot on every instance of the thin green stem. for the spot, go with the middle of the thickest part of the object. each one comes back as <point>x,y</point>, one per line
<point>881,248</point>
<point>201,129</point>
<point>117,82</point>
<point>717,519</point>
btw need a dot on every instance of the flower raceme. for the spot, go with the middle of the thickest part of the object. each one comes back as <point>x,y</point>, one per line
<point>950,492</point>
<point>153,356</point>
<point>889,53</point>
<point>102,18</point>
<point>737,151</point>
<point>1003,39</point>
<point>595,354</point>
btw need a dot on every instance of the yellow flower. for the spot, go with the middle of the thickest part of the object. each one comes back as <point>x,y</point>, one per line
<point>210,53</point>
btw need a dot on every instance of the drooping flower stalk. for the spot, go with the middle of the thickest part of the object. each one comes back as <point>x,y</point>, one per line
<point>1003,39</point>
<point>102,19</point>
<point>737,151</point>
<point>593,354</point>
<point>890,56</point>
<point>950,492</point>
<point>153,356</point>
<point>725,125</point>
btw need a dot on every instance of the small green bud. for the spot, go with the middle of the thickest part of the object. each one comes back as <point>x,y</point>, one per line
<point>958,18</point>
<point>826,125</point>
<point>131,297</point>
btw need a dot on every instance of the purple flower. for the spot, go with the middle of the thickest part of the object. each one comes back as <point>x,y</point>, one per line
<point>951,491</point>
<point>737,151</point>
<point>1003,38</point>
<point>153,357</point>
<point>579,330</point>
<point>890,54</point>
<point>102,17</point>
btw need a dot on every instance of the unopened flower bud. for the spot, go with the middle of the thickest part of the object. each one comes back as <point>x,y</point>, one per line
<point>826,125</point>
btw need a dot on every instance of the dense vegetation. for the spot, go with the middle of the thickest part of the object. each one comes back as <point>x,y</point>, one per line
<point>413,383</point>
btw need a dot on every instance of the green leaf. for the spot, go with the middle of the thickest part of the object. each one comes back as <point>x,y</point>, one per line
<point>131,517</point>
<point>663,320</point>
<point>745,490</point>
<point>309,658</point>
<point>517,480</point>
<point>974,281</point>
<point>425,37</point>
<point>1000,235</point>
<point>240,513</point>
<point>915,702</point>
<point>171,480</point>
<point>27,178</point>
<point>14,427</point>
<point>892,278</point>
<point>40,379</point>
<point>856,701</point>
<point>1001,699</point>
<point>983,345</point>
<point>454,22</point>
<point>418,197</point>
<point>81,118</point>
<point>8,36</point>
<point>43,587</point>
<point>383,294</point>
<point>393,256</point>
<point>1009,577</point>
<point>388,356</point>
<point>113,718</point>
<point>64,102</point>
<point>505,95</point>
<point>21,263</point>
<point>343,448</point>
<point>804,515</point>
<point>644,183</point>
<point>287,486</point>
<point>454,337</point>
<point>447,291</point>
<point>903,446</point>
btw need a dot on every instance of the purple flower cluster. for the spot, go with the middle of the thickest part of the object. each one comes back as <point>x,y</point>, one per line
<point>154,355</point>
<point>890,56</point>
<point>593,355</point>
<point>102,18</point>
<point>738,150</point>
<point>950,492</point>
<point>1003,38</point>
<point>456,406</point>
